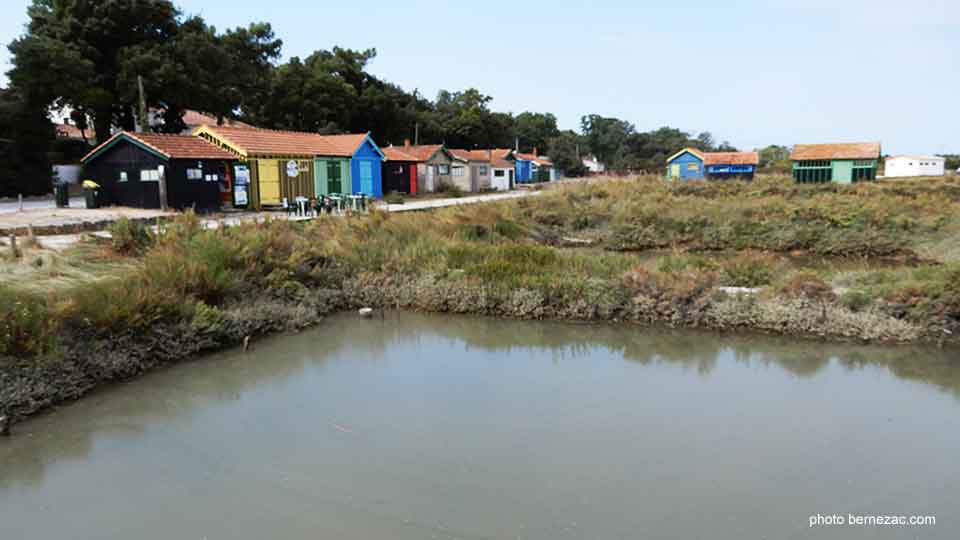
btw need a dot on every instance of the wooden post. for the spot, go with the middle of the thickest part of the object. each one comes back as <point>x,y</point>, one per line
<point>20,202</point>
<point>14,252</point>
<point>142,113</point>
<point>162,187</point>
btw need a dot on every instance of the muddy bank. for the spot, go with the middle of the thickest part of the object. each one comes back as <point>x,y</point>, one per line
<point>28,386</point>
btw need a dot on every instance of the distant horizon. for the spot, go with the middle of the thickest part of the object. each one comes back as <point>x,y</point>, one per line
<point>762,73</point>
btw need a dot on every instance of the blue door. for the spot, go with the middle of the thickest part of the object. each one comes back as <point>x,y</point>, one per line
<point>366,177</point>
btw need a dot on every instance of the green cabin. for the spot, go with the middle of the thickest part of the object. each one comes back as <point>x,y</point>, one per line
<point>839,163</point>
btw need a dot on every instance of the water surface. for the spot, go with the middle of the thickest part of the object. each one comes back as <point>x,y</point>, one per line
<point>420,427</point>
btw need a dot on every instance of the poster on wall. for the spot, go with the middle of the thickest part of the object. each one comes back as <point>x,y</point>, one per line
<point>240,185</point>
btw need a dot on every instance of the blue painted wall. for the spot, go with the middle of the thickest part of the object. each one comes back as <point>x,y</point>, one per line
<point>365,167</point>
<point>685,160</point>
<point>524,172</point>
<point>730,169</point>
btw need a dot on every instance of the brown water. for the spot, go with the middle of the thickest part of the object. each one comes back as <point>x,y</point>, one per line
<point>423,427</point>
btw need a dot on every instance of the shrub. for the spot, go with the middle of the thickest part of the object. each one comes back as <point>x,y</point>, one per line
<point>748,270</point>
<point>26,327</point>
<point>130,237</point>
<point>394,197</point>
<point>855,300</point>
<point>806,285</point>
<point>508,229</point>
<point>450,189</point>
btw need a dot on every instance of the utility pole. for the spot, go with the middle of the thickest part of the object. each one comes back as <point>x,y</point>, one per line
<point>142,113</point>
<point>416,134</point>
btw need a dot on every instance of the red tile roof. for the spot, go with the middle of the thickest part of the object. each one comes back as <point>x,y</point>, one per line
<point>268,142</point>
<point>171,146</point>
<point>731,158</point>
<point>806,152</point>
<point>422,152</point>
<point>196,118</point>
<point>69,131</point>
<point>396,153</point>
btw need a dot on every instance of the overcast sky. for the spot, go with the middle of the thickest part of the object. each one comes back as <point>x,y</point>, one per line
<point>751,72</point>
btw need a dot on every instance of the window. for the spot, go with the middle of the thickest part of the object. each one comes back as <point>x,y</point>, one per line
<point>443,169</point>
<point>499,173</point>
<point>150,175</point>
<point>458,171</point>
<point>484,171</point>
<point>693,167</point>
<point>212,178</point>
<point>194,174</point>
<point>123,176</point>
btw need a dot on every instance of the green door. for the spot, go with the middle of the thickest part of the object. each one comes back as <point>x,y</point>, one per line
<point>334,176</point>
<point>366,176</point>
<point>843,172</point>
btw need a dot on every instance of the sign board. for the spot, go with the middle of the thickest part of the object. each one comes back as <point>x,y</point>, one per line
<point>292,170</point>
<point>242,174</point>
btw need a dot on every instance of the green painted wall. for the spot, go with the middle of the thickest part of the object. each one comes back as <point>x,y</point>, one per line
<point>321,180</point>
<point>842,171</point>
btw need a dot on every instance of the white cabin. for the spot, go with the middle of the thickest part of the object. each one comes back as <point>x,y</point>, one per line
<point>903,166</point>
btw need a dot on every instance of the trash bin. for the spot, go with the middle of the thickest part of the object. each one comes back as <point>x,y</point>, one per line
<point>61,195</point>
<point>91,193</point>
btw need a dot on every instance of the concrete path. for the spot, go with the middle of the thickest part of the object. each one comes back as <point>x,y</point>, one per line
<point>62,241</point>
<point>37,204</point>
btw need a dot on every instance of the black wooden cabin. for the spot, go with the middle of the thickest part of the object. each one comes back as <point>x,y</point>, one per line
<point>128,167</point>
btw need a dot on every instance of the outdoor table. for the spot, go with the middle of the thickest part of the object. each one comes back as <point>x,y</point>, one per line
<point>355,202</point>
<point>338,202</point>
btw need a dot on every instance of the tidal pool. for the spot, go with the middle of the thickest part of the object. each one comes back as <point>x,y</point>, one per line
<point>417,427</point>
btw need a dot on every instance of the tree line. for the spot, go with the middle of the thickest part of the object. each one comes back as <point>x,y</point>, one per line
<point>87,56</point>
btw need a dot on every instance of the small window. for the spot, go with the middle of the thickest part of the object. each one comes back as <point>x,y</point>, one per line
<point>484,171</point>
<point>123,176</point>
<point>212,177</point>
<point>499,173</point>
<point>693,167</point>
<point>443,169</point>
<point>458,171</point>
<point>194,174</point>
<point>150,175</point>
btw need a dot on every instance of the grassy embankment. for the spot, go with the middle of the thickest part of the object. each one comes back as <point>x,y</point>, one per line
<point>874,262</point>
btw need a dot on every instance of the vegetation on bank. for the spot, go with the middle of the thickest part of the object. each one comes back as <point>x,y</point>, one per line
<point>867,262</point>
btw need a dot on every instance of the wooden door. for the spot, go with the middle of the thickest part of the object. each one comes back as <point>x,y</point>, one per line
<point>366,176</point>
<point>269,179</point>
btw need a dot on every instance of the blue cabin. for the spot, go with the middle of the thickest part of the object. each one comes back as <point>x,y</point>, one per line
<point>687,164</point>
<point>691,164</point>
<point>365,168</point>
<point>532,168</point>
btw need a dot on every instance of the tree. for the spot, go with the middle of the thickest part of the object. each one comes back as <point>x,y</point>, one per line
<point>25,137</point>
<point>607,138</point>
<point>535,130</point>
<point>564,151</point>
<point>74,54</point>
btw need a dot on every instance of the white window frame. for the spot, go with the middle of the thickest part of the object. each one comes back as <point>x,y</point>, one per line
<point>457,171</point>
<point>484,171</point>
<point>123,177</point>
<point>443,169</point>
<point>149,175</point>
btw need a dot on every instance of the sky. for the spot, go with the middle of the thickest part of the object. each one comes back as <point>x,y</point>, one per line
<point>751,72</point>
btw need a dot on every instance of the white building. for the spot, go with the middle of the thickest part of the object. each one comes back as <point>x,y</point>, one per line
<point>901,166</point>
<point>593,165</point>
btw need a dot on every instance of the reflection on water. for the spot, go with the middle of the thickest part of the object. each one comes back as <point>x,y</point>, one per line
<point>418,426</point>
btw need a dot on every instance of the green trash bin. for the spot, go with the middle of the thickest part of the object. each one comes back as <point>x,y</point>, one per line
<point>61,195</point>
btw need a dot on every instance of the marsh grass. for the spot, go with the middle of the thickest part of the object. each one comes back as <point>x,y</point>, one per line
<point>502,258</point>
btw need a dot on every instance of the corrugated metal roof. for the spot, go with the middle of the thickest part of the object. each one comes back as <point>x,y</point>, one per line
<point>808,152</point>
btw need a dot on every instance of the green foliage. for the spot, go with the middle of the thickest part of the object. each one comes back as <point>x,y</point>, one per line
<point>748,270</point>
<point>26,327</point>
<point>130,237</point>
<point>394,197</point>
<point>25,136</point>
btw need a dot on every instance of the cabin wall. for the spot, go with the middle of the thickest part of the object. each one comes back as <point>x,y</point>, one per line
<point>686,166</point>
<point>366,170</point>
<point>399,176</point>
